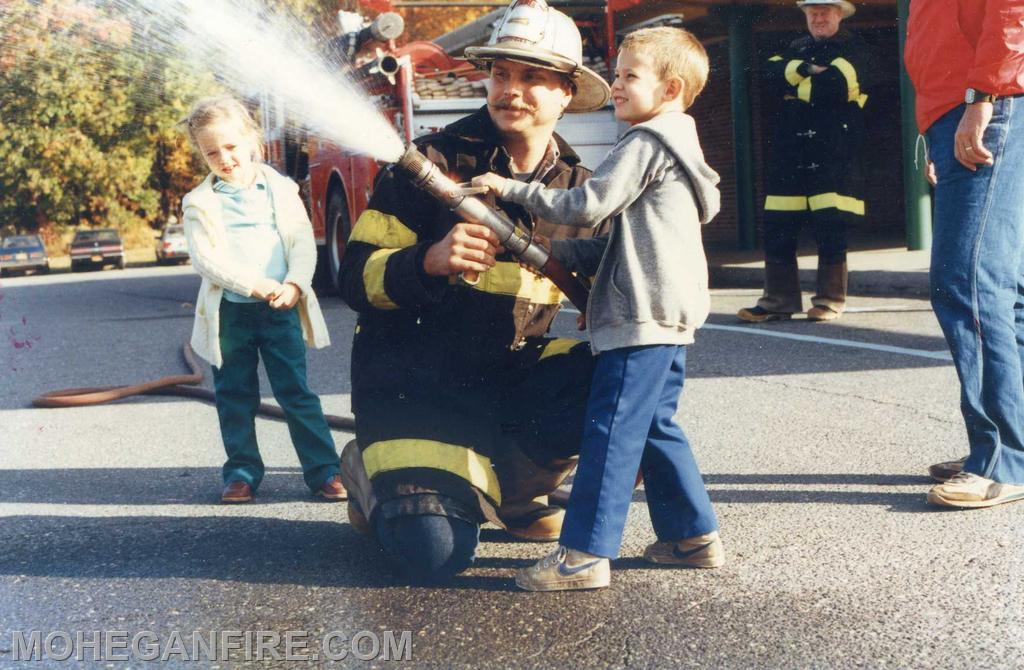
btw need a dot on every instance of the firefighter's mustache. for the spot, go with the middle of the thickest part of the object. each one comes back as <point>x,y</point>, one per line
<point>507,104</point>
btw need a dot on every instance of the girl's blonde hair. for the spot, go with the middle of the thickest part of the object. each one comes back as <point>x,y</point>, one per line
<point>676,53</point>
<point>214,109</point>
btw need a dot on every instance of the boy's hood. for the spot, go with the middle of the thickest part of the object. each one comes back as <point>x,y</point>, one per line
<point>678,132</point>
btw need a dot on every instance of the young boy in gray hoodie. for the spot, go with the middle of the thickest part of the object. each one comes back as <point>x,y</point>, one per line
<point>650,294</point>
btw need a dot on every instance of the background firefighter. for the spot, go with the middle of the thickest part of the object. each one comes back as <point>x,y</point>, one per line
<point>465,410</point>
<point>815,174</point>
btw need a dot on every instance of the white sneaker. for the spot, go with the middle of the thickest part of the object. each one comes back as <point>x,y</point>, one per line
<point>565,570</point>
<point>701,551</point>
<point>968,490</point>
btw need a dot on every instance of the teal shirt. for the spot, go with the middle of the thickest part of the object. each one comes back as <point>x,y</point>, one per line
<point>253,238</point>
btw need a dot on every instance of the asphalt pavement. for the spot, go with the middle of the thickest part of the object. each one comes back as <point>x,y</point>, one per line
<point>813,438</point>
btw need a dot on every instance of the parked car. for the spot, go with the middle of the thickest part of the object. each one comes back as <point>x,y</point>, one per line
<point>97,248</point>
<point>22,253</point>
<point>172,247</point>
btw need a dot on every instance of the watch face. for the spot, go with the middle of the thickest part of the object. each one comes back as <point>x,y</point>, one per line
<point>969,96</point>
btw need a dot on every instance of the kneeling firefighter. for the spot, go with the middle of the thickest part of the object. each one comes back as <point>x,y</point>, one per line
<point>466,411</point>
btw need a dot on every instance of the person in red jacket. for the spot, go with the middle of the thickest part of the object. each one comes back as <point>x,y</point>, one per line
<point>966,60</point>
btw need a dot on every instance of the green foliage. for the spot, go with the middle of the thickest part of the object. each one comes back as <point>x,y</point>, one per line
<point>88,131</point>
<point>91,102</point>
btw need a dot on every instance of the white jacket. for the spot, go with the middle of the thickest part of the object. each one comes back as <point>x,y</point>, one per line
<point>208,247</point>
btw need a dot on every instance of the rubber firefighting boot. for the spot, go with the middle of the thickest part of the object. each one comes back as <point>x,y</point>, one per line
<point>361,499</point>
<point>535,520</point>
<point>830,299</point>
<point>781,298</point>
<point>526,511</point>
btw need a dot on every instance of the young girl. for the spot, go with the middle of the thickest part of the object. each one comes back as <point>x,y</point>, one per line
<point>251,241</point>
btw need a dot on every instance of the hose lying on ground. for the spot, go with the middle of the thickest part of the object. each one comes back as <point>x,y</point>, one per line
<point>174,385</point>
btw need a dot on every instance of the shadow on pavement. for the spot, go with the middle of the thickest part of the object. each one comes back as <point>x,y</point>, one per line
<point>141,486</point>
<point>201,486</point>
<point>237,549</point>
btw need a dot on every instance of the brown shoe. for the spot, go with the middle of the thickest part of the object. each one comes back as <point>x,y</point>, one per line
<point>822,313</point>
<point>946,470</point>
<point>333,490</point>
<point>236,492</point>
<point>543,529</point>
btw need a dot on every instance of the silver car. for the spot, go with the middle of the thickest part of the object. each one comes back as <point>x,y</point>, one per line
<point>172,247</point>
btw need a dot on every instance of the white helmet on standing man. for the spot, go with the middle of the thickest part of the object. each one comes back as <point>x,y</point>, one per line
<point>531,32</point>
<point>846,7</point>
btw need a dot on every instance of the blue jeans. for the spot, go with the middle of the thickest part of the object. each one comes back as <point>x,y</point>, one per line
<point>631,423</point>
<point>427,548</point>
<point>976,285</point>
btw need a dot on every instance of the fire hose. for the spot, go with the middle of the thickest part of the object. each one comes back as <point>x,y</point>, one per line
<point>175,385</point>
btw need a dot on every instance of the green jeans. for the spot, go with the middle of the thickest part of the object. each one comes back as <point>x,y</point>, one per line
<point>248,332</point>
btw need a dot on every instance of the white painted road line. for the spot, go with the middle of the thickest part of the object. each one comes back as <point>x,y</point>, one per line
<point>853,344</point>
<point>753,330</point>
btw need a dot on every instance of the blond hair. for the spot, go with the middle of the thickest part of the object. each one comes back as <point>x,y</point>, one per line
<point>214,109</point>
<point>676,53</point>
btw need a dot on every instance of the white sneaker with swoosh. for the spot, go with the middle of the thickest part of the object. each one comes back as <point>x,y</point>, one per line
<point>700,551</point>
<point>565,570</point>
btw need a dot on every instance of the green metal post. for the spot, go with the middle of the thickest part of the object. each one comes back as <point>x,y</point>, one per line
<point>740,49</point>
<point>916,194</point>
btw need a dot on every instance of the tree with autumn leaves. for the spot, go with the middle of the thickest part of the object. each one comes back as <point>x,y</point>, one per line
<point>89,132</point>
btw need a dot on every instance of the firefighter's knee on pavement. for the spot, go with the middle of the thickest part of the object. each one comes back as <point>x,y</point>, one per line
<point>427,548</point>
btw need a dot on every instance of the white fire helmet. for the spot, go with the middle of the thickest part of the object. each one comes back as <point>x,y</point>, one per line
<point>847,7</point>
<point>533,33</point>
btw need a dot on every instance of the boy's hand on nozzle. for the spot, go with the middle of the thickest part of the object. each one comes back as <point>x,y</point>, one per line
<point>542,241</point>
<point>492,182</point>
<point>265,288</point>
<point>467,248</point>
<point>286,296</point>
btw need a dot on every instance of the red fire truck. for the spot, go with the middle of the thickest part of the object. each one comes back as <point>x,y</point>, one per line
<point>421,87</point>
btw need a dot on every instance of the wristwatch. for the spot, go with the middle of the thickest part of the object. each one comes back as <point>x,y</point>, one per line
<point>973,95</point>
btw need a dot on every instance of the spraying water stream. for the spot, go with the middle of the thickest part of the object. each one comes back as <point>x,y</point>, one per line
<point>253,51</point>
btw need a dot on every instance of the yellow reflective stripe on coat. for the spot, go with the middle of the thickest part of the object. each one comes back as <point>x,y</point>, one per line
<point>786,203</point>
<point>843,203</point>
<point>852,85</point>
<point>557,347</point>
<point>389,455</point>
<point>510,278</point>
<point>803,91</point>
<point>373,279</point>
<point>792,76</point>
<point>382,230</point>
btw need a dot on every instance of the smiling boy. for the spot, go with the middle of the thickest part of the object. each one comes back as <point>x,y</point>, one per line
<point>650,295</point>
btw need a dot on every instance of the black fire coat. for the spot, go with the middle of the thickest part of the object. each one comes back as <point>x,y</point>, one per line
<point>818,133</point>
<point>455,388</point>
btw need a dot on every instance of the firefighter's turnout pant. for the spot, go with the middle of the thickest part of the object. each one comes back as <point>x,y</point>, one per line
<point>830,215</point>
<point>507,438</point>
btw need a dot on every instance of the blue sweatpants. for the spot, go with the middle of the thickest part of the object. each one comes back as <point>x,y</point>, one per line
<point>630,423</point>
